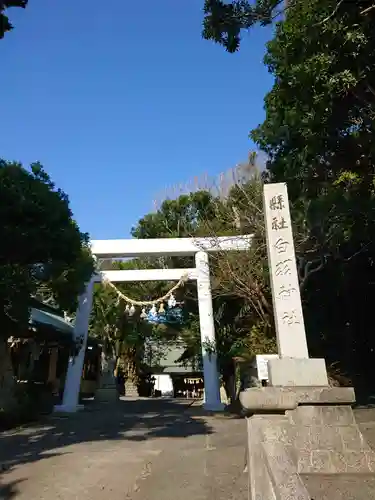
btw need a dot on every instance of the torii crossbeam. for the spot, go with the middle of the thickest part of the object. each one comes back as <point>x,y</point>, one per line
<point>126,248</point>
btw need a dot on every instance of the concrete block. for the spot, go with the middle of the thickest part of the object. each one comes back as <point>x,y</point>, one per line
<point>320,462</point>
<point>260,483</point>
<point>329,437</point>
<point>352,439</point>
<point>284,473</point>
<point>353,462</point>
<point>324,395</point>
<point>322,415</point>
<point>335,462</point>
<point>328,441</point>
<point>263,399</point>
<point>340,487</point>
<point>317,437</point>
<point>292,372</point>
<point>304,441</point>
<point>337,415</point>
<point>370,457</point>
<point>278,431</point>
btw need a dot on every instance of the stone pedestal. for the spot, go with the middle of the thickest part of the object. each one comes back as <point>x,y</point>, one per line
<point>296,432</point>
<point>107,392</point>
<point>107,395</point>
<point>297,372</point>
<point>131,389</point>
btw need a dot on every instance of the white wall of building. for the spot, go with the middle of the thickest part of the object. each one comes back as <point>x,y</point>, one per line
<point>164,384</point>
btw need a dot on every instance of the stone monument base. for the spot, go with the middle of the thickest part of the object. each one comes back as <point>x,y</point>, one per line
<point>298,436</point>
<point>301,372</point>
<point>107,395</point>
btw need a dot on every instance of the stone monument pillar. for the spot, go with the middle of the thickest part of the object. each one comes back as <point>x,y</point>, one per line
<point>294,367</point>
<point>298,427</point>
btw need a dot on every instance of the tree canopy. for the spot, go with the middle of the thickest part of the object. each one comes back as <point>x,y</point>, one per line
<point>318,137</point>
<point>241,294</point>
<point>5,24</point>
<point>224,21</point>
<point>42,248</point>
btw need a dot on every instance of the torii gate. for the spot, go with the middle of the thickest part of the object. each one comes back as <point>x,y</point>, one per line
<point>112,249</point>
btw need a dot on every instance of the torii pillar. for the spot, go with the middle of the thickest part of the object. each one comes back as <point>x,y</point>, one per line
<point>200,248</point>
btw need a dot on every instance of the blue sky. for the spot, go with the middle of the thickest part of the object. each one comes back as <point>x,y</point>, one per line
<point>120,103</point>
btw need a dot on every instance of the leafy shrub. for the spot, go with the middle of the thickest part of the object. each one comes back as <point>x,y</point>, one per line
<point>29,403</point>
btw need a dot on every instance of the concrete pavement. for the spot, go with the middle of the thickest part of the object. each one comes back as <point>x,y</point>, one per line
<point>139,449</point>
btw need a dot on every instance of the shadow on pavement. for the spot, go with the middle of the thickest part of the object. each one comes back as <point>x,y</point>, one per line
<point>128,420</point>
<point>8,491</point>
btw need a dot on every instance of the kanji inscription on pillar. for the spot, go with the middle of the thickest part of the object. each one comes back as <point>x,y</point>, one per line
<point>286,297</point>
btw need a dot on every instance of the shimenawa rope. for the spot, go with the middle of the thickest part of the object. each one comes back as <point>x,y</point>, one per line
<point>122,296</point>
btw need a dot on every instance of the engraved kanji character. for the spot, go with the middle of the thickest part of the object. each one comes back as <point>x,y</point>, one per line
<point>283,267</point>
<point>277,202</point>
<point>278,223</point>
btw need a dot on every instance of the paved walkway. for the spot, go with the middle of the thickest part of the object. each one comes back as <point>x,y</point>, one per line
<point>141,450</point>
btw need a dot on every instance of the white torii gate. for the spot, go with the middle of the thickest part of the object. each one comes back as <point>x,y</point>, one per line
<point>112,249</point>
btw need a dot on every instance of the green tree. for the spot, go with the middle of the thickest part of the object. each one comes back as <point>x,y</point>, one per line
<point>41,248</point>
<point>177,218</point>
<point>318,136</point>
<point>225,21</point>
<point>125,337</point>
<point>5,24</point>
<point>241,296</point>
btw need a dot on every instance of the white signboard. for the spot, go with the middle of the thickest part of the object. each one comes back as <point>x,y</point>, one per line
<point>262,365</point>
<point>286,297</point>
